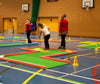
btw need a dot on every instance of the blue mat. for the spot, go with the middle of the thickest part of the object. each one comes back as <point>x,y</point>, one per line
<point>14,38</point>
<point>18,44</point>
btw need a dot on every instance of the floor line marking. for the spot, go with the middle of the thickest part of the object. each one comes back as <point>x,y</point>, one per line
<point>86,54</point>
<point>92,57</point>
<point>83,49</point>
<point>57,71</point>
<point>27,80</point>
<point>84,77</point>
<point>77,71</point>
<point>97,75</point>
<point>8,68</point>
<point>3,62</point>
<point>72,74</point>
<point>80,55</point>
<point>45,75</point>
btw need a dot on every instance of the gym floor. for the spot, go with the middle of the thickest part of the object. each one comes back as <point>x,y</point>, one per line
<point>11,73</point>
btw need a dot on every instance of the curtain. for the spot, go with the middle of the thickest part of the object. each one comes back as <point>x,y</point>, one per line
<point>35,10</point>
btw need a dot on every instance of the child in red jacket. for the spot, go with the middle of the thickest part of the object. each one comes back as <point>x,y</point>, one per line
<point>63,31</point>
<point>28,30</point>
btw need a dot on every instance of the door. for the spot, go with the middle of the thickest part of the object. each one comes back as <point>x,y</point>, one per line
<point>10,25</point>
<point>52,22</point>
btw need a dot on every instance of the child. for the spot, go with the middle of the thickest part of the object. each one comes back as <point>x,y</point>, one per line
<point>63,31</point>
<point>28,30</point>
<point>46,34</point>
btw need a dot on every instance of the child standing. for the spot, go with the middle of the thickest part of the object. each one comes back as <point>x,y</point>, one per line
<point>63,31</point>
<point>28,30</point>
<point>46,34</point>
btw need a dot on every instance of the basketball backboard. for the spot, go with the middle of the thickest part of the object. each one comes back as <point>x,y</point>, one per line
<point>89,3</point>
<point>25,7</point>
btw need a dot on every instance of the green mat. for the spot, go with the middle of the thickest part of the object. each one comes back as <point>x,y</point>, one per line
<point>40,49</point>
<point>34,58</point>
<point>17,37</point>
<point>90,42</point>
<point>92,46</point>
<point>68,40</point>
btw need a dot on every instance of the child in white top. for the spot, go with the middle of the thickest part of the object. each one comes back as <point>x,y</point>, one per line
<point>46,34</point>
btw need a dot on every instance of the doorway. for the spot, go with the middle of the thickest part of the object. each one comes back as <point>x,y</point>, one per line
<point>10,25</point>
<point>52,22</point>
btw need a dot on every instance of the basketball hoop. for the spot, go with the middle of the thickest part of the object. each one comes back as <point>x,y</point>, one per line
<point>87,7</point>
<point>23,11</point>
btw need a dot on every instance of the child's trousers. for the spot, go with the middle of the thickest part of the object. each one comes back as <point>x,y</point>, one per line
<point>46,38</point>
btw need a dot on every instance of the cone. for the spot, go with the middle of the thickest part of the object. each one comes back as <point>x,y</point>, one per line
<point>69,38</point>
<point>96,48</point>
<point>75,63</point>
<point>26,40</point>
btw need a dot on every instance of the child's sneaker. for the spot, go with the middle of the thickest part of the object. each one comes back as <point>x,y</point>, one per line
<point>60,47</point>
<point>46,49</point>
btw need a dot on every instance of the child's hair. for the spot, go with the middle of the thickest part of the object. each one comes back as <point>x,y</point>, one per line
<point>28,19</point>
<point>64,16</point>
<point>40,24</point>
